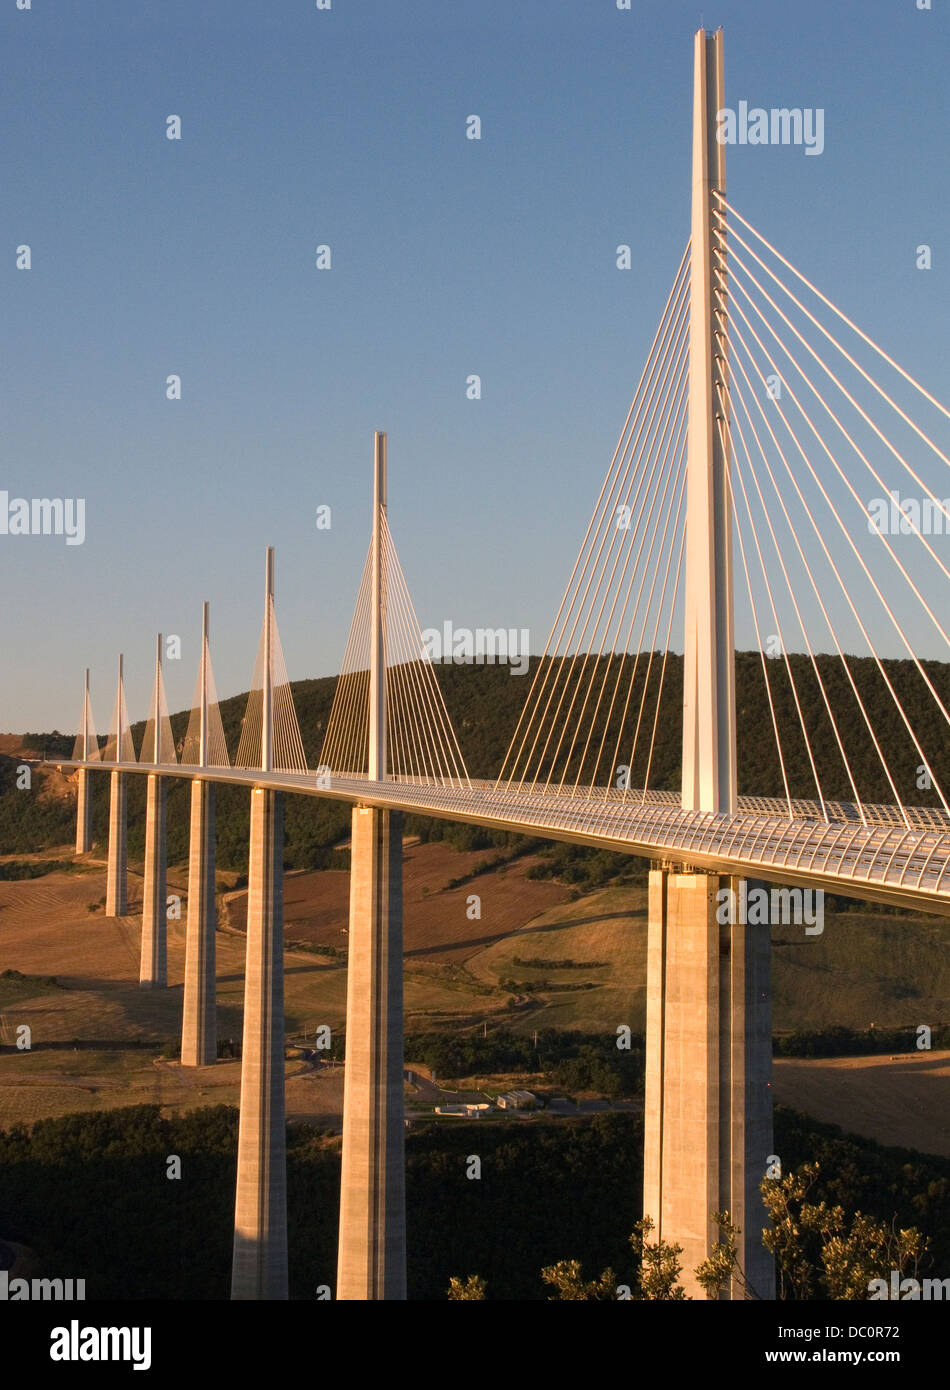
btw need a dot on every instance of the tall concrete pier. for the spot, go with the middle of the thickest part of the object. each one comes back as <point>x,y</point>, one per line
<point>199,1033</point>
<point>372,1253</point>
<point>707,1102</point>
<point>153,969</point>
<point>117,901</point>
<point>83,812</point>
<point>707,1108</point>
<point>259,1268</point>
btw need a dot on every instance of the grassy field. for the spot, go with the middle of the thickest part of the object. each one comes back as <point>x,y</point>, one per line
<point>866,968</point>
<point>605,935</point>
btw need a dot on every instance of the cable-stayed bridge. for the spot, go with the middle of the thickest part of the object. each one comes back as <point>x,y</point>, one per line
<point>753,486</point>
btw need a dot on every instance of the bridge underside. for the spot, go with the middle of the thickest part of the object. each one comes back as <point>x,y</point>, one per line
<point>883,860</point>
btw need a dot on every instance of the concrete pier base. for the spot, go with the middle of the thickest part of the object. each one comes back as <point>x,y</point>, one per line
<point>372,1252</point>
<point>259,1268</point>
<point>83,812</point>
<point>199,1031</point>
<point>117,901</point>
<point>708,1103</point>
<point>153,971</point>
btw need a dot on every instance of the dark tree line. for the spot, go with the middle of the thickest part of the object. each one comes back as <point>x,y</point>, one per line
<point>89,1193</point>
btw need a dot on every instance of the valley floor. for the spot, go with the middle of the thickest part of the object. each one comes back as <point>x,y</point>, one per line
<point>532,958</point>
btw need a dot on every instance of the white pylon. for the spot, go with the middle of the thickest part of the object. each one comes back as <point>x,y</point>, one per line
<point>157,703</point>
<point>709,705</point>
<point>203,689</point>
<point>377,664</point>
<point>267,723</point>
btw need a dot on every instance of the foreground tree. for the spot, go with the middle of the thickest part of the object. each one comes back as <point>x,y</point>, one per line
<point>820,1253</point>
<point>472,1287</point>
<point>566,1279</point>
<point>659,1266</point>
<point>657,1275</point>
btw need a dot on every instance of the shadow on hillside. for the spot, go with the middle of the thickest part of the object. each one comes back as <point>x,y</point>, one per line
<point>587,921</point>
<point>315,969</point>
<point>468,944</point>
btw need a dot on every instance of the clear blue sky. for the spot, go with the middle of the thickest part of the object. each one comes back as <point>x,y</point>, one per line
<point>449,257</point>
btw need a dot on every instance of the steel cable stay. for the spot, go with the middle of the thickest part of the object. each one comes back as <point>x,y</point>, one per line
<point>653,505</point>
<point>633,494</point>
<point>672,325</point>
<point>861,455</point>
<point>217,748</point>
<point>674,488</point>
<point>793,684</point>
<point>440,731</point>
<point>628,500</point>
<point>726,445</point>
<point>739,337</point>
<point>739,395</point>
<point>678,529</point>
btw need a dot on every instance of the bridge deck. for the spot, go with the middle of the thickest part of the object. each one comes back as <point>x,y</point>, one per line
<point>879,858</point>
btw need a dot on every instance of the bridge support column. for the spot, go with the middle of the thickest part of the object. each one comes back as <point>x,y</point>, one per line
<point>83,812</point>
<point>199,1031</point>
<point>708,1103</point>
<point>372,1253</point>
<point>117,903</point>
<point>153,971</point>
<point>259,1268</point>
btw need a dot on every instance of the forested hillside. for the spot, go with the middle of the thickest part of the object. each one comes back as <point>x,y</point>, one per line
<point>485,703</point>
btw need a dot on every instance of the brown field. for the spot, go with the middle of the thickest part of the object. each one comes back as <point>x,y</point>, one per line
<point>604,933</point>
<point>84,1032</point>
<point>904,1101</point>
<point>95,1035</point>
<point>436,927</point>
